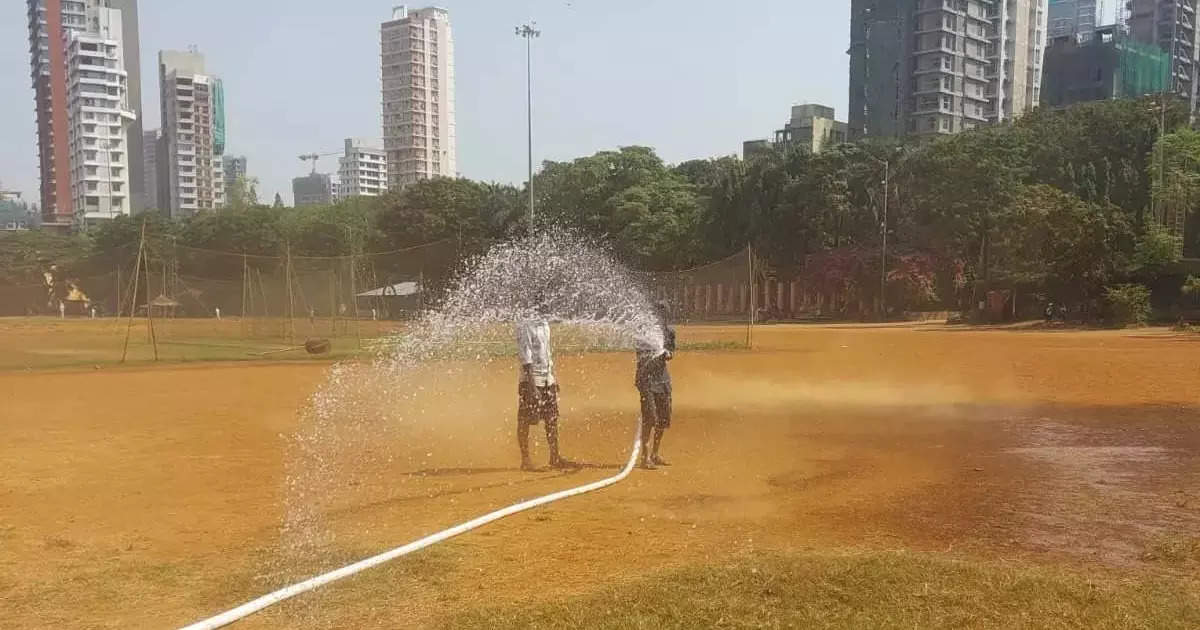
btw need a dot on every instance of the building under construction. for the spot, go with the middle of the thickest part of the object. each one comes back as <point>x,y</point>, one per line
<point>1107,65</point>
<point>1170,25</point>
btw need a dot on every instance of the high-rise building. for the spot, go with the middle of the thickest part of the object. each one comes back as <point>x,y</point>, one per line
<point>1171,25</point>
<point>362,170</point>
<point>191,175</point>
<point>150,141</point>
<point>1106,64</point>
<point>418,95</point>
<point>49,23</point>
<point>233,167</point>
<point>811,126</point>
<point>920,67</point>
<point>98,117</point>
<point>1019,42</point>
<point>60,83</point>
<point>1071,18</point>
<point>315,189</point>
<point>132,48</point>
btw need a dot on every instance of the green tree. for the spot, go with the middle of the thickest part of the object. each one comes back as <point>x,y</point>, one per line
<point>960,189</point>
<point>256,230</point>
<point>435,209</point>
<point>649,212</point>
<point>1099,151</point>
<point>335,230</point>
<point>26,254</point>
<point>243,193</point>
<point>1069,248</point>
<point>116,242</point>
<point>1175,176</point>
<point>1155,248</point>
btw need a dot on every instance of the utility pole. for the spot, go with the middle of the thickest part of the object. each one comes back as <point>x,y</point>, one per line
<point>883,228</point>
<point>883,223</point>
<point>528,32</point>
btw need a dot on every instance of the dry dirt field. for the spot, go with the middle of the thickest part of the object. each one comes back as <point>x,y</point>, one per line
<point>153,496</point>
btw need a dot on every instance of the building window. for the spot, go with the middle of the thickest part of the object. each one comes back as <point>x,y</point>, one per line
<point>945,124</point>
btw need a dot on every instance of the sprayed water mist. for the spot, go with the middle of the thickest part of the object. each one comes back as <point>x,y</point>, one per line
<point>554,274</point>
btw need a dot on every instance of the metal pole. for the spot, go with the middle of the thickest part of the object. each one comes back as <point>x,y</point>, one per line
<point>529,118</point>
<point>883,252</point>
<point>137,270</point>
<point>753,298</point>
<point>291,310</point>
<point>528,32</point>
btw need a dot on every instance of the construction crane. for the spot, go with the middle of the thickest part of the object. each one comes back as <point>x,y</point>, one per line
<point>313,157</point>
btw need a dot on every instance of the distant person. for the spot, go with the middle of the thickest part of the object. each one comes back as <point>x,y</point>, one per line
<point>653,382</point>
<point>537,390</point>
<point>217,312</point>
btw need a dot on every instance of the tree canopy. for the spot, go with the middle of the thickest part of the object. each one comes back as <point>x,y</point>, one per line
<point>1061,202</point>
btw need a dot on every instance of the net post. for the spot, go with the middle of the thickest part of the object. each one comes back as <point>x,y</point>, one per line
<point>354,287</point>
<point>753,298</point>
<point>137,270</point>
<point>245,292</point>
<point>291,310</point>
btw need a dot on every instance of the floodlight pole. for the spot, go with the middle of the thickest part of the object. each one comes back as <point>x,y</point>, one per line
<point>528,32</point>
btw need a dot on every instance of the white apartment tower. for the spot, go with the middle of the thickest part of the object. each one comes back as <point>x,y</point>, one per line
<point>190,170</point>
<point>83,56</point>
<point>418,95</point>
<point>362,171</point>
<point>98,118</point>
<point>1019,40</point>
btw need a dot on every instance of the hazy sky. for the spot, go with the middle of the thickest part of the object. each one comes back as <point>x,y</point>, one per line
<point>692,78</point>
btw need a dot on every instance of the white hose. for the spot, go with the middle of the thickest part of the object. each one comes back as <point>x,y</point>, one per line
<point>270,599</point>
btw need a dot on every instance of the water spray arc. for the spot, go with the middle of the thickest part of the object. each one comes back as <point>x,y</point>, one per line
<point>551,274</point>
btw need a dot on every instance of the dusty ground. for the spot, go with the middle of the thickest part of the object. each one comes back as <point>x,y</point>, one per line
<point>151,497</point>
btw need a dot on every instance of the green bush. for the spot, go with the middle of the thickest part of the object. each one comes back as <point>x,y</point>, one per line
<point>1191,286</point>
<point>1127,304</point>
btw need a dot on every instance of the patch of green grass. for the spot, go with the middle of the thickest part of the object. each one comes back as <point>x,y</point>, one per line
<point>878,590</point>
<point>700,346</point>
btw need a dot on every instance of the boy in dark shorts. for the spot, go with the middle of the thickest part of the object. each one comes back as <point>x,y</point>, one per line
<point>537,391</point>
<point>653,382</point>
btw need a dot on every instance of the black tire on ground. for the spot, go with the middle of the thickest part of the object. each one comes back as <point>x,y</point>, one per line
<point>317,346</point>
